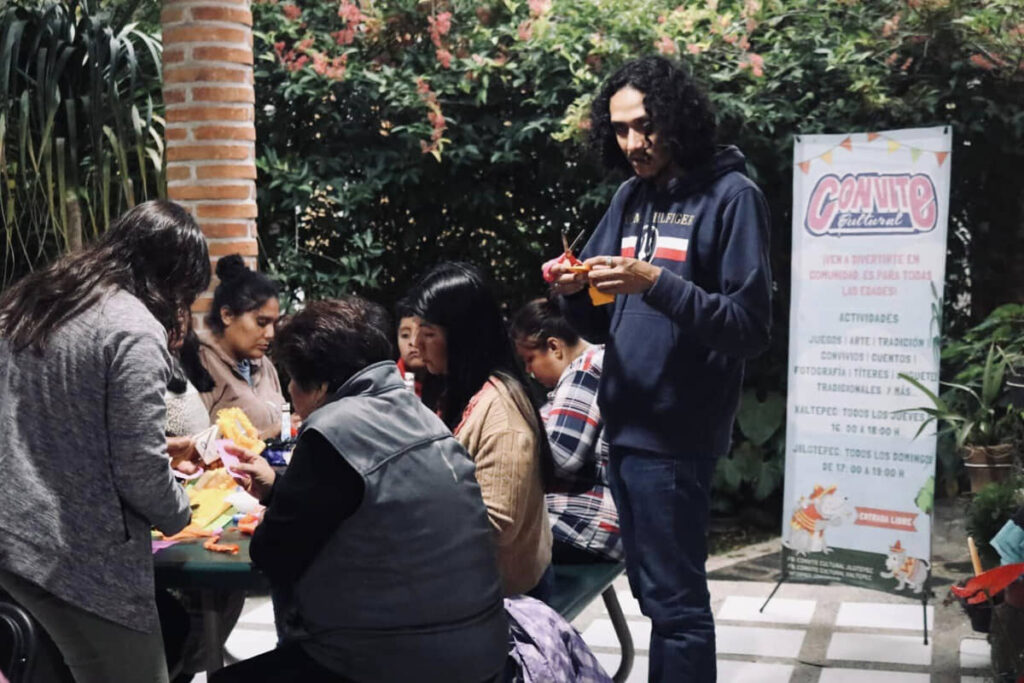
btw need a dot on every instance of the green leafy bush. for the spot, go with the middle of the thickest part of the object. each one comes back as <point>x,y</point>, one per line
<point>453,129</point>
<point>989,510</point>
<point>755,467</point>
<point>81,138</point>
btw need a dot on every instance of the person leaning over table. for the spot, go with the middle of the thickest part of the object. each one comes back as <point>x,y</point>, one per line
<point>376,535</point>
<point>241,321</point>
<point>84,471</point>
<point>584,521</point>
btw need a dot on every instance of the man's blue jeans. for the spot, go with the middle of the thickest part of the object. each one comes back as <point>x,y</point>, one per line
<point>663,504</point>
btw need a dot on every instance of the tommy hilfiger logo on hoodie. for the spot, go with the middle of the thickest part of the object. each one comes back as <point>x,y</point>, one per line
<point>652,246</point>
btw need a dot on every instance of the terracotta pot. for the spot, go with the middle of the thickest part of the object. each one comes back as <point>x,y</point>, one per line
<point>987,464</point>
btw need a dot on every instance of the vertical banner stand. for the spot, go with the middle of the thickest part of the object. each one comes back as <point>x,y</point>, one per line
<point>869,226</point>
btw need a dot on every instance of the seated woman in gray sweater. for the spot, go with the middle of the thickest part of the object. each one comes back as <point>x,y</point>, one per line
<point>376,535</point>
<point>84,472</point>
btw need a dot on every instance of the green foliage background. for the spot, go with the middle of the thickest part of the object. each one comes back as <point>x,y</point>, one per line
<point>396,133</point>
<point>392,134</point>
<point>81,136</point>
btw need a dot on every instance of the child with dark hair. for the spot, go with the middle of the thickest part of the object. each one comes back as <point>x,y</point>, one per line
<point>462,339</point>
<point>408,355</point>
<point>584,520</point>
<point>241,321</point>
<point>428,387</point>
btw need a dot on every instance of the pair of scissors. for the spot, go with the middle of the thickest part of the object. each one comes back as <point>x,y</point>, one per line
<point>569,246</point>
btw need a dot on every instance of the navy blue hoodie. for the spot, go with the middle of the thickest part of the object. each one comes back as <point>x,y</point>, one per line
<point>675,354</point>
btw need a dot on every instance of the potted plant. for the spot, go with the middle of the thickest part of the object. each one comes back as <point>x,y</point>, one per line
<point>986,428</point>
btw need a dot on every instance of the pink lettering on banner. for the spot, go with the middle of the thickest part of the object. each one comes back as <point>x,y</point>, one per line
<point>872,204</point>
<point>823,205</point>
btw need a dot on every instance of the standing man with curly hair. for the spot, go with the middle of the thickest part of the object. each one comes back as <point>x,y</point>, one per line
<point>684,249</point>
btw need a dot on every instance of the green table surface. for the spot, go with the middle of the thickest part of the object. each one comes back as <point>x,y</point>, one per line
<point>189,565</point>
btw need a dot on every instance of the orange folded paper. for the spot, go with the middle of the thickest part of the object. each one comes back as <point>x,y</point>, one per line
<point>216,547</point>
<point>599,298</point>
<point>247,525</point>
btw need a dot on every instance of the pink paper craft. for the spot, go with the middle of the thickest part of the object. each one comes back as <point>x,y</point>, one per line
<point>160,545</point>
<point>229,460</point>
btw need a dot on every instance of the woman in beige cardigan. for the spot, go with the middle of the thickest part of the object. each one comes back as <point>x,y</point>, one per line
<point>463,339</point>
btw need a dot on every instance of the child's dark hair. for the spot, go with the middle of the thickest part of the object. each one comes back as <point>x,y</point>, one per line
<point>537,321</point>
<point>240,290</point>
<point>404,309</point>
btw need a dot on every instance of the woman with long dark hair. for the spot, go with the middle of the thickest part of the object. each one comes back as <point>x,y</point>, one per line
<point>462,338</point>
<point>234,351</point>
<point>84,471</point>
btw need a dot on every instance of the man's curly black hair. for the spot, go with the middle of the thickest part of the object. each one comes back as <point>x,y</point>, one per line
<point>678,108</point>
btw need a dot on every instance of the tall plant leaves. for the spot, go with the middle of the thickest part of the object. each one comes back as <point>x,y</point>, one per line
<point>81,136</point>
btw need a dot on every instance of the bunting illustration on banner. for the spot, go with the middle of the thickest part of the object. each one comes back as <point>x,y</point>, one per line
<point>848,144</point>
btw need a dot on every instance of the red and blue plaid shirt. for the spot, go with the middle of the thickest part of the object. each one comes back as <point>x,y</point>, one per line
<point>587,520</point>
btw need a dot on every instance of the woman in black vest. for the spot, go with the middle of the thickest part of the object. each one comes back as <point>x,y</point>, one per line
<point>376,535</point>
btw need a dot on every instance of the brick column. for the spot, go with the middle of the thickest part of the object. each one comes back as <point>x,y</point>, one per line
<point>210,134</point>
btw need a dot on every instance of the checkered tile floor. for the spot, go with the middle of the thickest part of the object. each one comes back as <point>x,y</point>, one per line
<point>807,634</point>
<point>811,634</point>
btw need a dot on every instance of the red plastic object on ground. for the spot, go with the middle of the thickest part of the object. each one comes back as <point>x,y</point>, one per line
<point>988,585</point>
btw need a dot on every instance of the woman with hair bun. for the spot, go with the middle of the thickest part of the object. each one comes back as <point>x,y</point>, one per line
<point>241,321</point>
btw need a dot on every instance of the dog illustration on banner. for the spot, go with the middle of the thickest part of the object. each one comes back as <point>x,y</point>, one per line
<point>812,515</point>
<point>909,572</point>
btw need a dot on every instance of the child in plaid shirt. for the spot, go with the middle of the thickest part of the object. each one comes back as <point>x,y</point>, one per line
<point>585,524</point>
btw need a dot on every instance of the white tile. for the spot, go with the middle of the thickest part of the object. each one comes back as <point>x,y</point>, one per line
<point>731,671</point>
<point>610,662</point>
<point>975,653</point>
<point>869,676</point>
<point>975,679</point>
<point>601,633</point>
<point>257,611</point>
<point>883,615</point>
<point>875,647</point>
<point>244,643</point>
<point>779,610</point>
<point>761,642</point>
<point>630,607</point>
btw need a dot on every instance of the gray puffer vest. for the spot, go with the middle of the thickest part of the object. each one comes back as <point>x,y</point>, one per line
<point>407,588</point>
